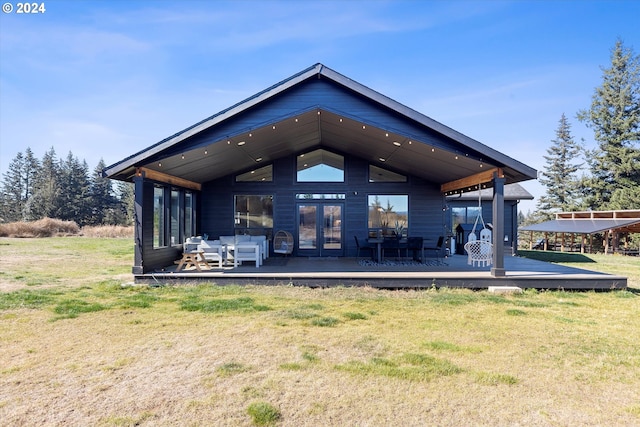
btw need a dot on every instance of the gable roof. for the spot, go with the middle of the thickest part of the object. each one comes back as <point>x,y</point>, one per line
<point>319,107</point>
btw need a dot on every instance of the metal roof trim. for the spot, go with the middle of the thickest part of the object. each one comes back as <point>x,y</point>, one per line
<point>583,226</point>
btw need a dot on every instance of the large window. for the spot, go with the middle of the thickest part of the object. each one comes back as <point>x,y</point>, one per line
<point>173,216</point>
<point>320,166</point>
<point>464,215</point>
<point>389,213</point>
<point>189,214</point>
<point>158,217</point>
<point>253,212</point>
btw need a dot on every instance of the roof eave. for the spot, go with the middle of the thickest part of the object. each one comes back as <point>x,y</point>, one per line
<point>318,70</point>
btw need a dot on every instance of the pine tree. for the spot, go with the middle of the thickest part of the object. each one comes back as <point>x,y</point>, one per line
<point>45,200</point>
<point>615,118</point>
<point>559,177</point>
<point>74,195</point>
<point>102,203</point>
<point>30,170</point>
<point>18,186</point>
<point>126,202</point>
<point>13,192</point>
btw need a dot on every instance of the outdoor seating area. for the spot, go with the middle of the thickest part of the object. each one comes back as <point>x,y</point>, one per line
<point>224,251</point>
<point>414,248</point>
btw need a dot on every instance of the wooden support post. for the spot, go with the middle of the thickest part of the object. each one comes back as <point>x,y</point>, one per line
<point>498,226</point>
<point>138,248</point>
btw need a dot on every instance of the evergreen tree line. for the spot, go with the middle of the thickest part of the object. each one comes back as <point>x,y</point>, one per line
<point>33,188</point>
<point>608,176</point>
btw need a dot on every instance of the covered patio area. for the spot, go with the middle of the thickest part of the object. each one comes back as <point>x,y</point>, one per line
<point>325,159</point>
<point>452,271</point>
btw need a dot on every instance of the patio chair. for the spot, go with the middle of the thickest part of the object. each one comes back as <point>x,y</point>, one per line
<point>414,244</point>
<point>283,243</point>
<point>437,248</point>
<point>247,252</point>
<point>212,251</point>
<point>363,247</point>
<point>392,244</point>
<point>480,252</point>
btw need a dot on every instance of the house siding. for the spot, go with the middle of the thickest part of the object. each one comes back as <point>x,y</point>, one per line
<point>312,94</point>
<point>510,217</point>
<point>426,217</point>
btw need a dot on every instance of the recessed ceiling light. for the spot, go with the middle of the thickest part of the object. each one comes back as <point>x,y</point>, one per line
<point>382,159</point>
<point>396,143</point>
<point>241,143</point>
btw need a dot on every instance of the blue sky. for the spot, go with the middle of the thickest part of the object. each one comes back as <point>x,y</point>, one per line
<point>105,79</point>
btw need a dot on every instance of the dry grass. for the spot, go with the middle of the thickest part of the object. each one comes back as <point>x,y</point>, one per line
<point>45,227</point>
<point>81,353</point>
<point>50,227</point>
<point>108,231</point>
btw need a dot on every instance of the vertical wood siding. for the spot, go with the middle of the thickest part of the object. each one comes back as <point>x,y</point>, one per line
<point>426,217</point>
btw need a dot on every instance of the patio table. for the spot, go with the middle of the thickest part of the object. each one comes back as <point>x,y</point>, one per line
<point>194,258</point>
<point>378,241</point>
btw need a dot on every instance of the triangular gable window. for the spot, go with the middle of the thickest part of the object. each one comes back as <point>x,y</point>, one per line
<point>320,166</point>
<point>377,174</point>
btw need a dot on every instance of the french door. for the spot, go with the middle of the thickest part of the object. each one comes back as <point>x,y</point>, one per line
<point>320,231</point>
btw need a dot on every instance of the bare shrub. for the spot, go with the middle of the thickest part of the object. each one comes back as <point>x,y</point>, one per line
<point>107,231</point>
<point>45,227</point>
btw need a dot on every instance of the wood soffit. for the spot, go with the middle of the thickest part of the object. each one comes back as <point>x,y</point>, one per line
<point>168,179</point>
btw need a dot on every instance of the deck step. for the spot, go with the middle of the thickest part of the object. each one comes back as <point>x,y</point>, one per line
<point>505,289</point>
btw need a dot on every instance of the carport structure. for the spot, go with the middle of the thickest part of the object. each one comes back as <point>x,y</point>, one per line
<point>614,225</point>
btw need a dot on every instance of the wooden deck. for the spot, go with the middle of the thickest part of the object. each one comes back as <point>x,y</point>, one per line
<point>451,272</point>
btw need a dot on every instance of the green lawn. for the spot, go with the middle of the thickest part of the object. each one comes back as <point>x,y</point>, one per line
<point>84,349</point>
<point>628,266</point>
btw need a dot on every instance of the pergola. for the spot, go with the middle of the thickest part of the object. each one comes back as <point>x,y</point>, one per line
<point>612,224</point>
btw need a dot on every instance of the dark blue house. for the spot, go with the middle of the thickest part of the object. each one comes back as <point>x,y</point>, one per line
<point>318,155</point>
